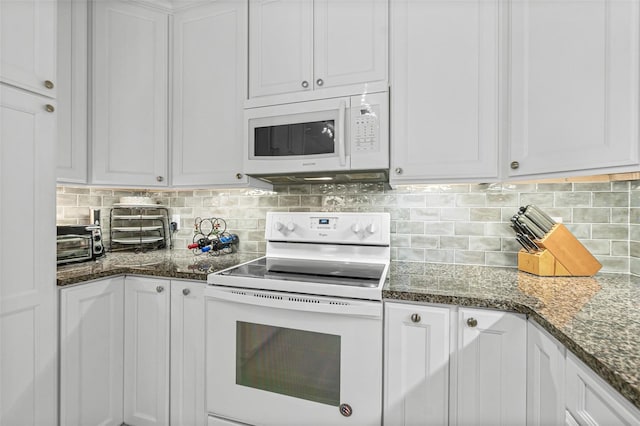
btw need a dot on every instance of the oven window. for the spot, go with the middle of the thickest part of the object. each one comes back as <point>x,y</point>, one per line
<point>298,363</point>
<point>295,139</point>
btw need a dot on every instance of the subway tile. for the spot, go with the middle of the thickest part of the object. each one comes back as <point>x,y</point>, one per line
<point>439,256</point>
<point>471,200</point>
<point>469,228</point>
<point>554,187</point>
<point>76,190</point>
<point>620,248</point>
<point>409,227</point>
<point>454,242</point>
<point>622,186</point>
<point>634,249</point>
<point>592,186</point>
<point>634,215</point>
<point>612,232</point>
<point>411,254</point>
<point>80,213</point>
<point>502,199</point>
<point>248,201</point>
<point>634,232</point>
<point>454,188</point>
<point>634,198</point>
<point>440,200</point>
<point>90,200</point>
<point>485,243</point>
<point>498,229</point>
<point>311,201</point>
<point>268,201</point>
<point>572,199</point>
<point>400,240</point>
<point>540,199</point>
<point>299,189</point>
<point>634,184</point>
<point>479,187</point>
<point>610,199</point>
<point>561,212</point>
<point>579,230</point>
<point>614,264</point>
<point>467,257</point>
<point>439,228</point>
<point>485,214</point>
<point>455,214</point>
<point>288,201</point>
<point>620,215</point>
<point>496,258</point>
<point>412,200</point>
<point>591,215</point>
<point>67,200</point>
<point>372,188</point>
<point>384,200</point>
<point>398,213</point>
<point>346,188</point>
<point>426,214</point>
<point>331,201</point>
<point>634,266</point>
<point>597,247</point>
<point>424,241</point>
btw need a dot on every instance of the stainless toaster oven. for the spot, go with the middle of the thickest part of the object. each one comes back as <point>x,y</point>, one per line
<point>77,243</point>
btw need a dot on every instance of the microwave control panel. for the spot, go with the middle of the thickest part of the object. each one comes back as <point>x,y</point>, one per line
<point>365,128</point>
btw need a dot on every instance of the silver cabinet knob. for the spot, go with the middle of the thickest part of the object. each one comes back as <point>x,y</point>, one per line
<point>415,317</point>
<point>238,175</point>
<point>159,289</point>
<point>398,170</point>
<point>472,322</point>
<point>49,108</point>
<point>514,165</point>
<point>159,178</point>
<point>305,84</point>
<point>186,291</point>
<point>319,82</point>
<point>48,84</point>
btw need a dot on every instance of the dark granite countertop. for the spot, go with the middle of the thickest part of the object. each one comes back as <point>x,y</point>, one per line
<point>597,318</point>
<point>177,264</point>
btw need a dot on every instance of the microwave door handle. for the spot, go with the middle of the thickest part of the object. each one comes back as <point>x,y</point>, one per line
<point>341,142</point>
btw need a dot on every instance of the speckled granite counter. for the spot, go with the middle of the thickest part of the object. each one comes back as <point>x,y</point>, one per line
<point>598,318</point>
<point>180,264</point>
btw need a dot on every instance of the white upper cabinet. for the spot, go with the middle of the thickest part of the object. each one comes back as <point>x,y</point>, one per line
<point>28,326</point>
<point>573,85</point>
<point>316,46</point>
<point>444,90</point>
<point>72,90</point>
<point>130,92</point>
<point>28,45</point>
<point>209,88</point>
<point>492,365</point>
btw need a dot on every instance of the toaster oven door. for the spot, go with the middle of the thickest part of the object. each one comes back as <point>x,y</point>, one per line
<point>73,248</point>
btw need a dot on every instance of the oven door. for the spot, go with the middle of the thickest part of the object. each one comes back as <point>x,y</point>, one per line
<point>281,358</point>
<point>297,138</point>
<point>73,248</point>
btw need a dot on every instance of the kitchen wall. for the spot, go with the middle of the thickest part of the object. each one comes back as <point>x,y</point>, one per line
<point>463,224</point>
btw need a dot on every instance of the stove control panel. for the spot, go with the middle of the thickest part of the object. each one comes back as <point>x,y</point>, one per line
<point>329,227</point>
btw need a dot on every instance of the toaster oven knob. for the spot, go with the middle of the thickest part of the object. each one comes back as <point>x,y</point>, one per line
<point>291,226</point>
<point>371,228</point>
<point>279,226</point>
<point>356,228</point>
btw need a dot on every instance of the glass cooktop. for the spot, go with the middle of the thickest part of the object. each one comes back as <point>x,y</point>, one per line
<point>355,274</point>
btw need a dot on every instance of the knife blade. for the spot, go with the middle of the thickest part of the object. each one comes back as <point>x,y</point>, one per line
<point>522,243</point>
<point>530,242</point>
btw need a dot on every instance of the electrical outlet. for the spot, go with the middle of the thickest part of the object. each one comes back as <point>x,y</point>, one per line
<point>175,219</point>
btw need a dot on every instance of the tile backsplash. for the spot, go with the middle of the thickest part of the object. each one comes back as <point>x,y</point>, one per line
<point>464,224</point>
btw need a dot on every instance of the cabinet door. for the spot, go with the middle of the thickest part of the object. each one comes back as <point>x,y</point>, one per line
<point>210,56</point>
<point>187,354</point>
<point>350,42</point>
<point>71,144</point>
<point>416,365</point>
<point>492,368</point>
<point>574,85</point>
<point>28,45</point>
<point>130,54</point>
<point>146,355</point>
<point>28,326</point>
<point>280,46</point>
<point>91,353</point>
<point>445,90</point>
<point>591,401</point>
<point>545,378</point>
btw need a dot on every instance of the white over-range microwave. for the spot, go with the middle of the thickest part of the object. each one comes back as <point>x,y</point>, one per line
<point>338,139</point>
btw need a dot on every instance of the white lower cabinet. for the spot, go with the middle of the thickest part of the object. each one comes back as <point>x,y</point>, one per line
<point>492,365</point>
<point>91,353</point>
<point>217,421</point>
<point>115,350</point>
<point>146,351</point>
<point>545,378</point>
<point>591,401</point>
<point>416,364</point>
<point>187,354</point>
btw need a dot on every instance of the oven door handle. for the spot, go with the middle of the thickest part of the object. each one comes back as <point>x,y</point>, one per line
<point>342,119</point>
<point>299,302</point>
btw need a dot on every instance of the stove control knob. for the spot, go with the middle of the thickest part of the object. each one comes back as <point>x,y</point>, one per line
<point>372,228</point>
<point>355,228</point>
<point>279,226</point>
<point>291,226</point>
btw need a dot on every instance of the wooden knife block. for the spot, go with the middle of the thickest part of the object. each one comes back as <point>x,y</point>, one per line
<point>562,255</point>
